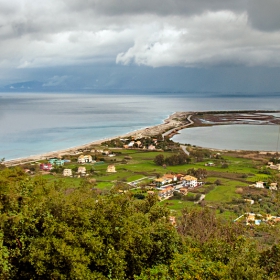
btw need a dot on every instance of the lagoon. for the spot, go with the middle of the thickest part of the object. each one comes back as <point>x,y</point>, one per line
<point>232,137</point>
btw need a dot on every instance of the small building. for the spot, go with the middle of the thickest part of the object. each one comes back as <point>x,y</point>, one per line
<point>46,166</point>
<point>166,192</point>
<point>82,170</point>
<point>58,162</point>
<point>189,181</point>
<point>151,147</point>
<point>273,186</point>
<point>184,191</point>
<point>259,185</point>
<point>67,172</point>
<point>111,168</point>
<point>84,159</point>
<point>150,192</point>
<point>131,144</point>
<point>172,220</point>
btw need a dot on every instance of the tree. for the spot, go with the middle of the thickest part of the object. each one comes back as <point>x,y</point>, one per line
<point>159,159</point>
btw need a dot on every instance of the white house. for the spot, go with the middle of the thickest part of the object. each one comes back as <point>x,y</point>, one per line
<point>67,172</point>
<point>111,168</point>
<point>84,159</point>
<point>189,181</point>
<point>82,170</point>
<point>259,185</point>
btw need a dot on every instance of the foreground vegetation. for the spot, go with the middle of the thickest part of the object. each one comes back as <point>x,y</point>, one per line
<point>85,228</point>
<point>49,231</point>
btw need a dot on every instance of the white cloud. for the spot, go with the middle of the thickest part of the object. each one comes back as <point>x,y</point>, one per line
<point>149,32</point>
<point>212,38</point>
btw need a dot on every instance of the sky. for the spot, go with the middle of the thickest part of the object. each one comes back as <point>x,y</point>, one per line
<point>180,45</point>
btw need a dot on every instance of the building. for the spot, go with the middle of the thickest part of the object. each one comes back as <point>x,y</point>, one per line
<point>166,192</point>
<point>67,172</point>
<point>189,181</point>
<point>46,166</point>
<point>84,159</point>
<point>259,185</point>
<point>111,168</point>
<point>82,170</point>
<point>151,147</point>
<point>184,191</point>
<point>57,162</point>
<point>273,186</point>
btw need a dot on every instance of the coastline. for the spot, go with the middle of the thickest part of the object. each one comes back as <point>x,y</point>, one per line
<point>173,121</point>
<point>168,128</point>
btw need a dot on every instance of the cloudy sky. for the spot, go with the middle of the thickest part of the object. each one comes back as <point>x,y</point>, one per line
<point>165,44</point>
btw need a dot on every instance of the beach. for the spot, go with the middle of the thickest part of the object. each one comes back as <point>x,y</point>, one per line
<point>170,125</point>
<point>168,128</point>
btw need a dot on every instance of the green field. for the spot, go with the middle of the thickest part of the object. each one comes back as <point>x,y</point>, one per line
<point>232,170</point>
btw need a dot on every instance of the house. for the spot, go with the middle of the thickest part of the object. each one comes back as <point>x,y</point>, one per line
<point>172,220</point>
<point>170,177</point>
<point>46,166</point>
<point>111,168</point>
<point>150,192</point>
<point>189,181</point>
<point>139,144</point>
<point>151,147</point>
<point>184,191</point>
<point>251,201</point>
<point>84,159</point>
<point>259,185</point>
<point>58,162</point>
<point>273,186</point>
<point>67,172</point>
<point>275,167</point>
<point>131,144</point>
<point>82,170</point>
<point>166,192</point>
<point>209,164</point>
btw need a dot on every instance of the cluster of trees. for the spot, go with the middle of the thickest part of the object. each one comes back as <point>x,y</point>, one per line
<point>199,173</point>
<point>180,158</point>
<point>163,143</point>
<point>50,232</point>
<point>200,154</point>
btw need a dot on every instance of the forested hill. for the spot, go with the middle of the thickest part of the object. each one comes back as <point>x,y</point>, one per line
<point>49,231</point>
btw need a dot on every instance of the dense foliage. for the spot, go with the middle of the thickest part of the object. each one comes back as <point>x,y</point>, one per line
<point>48,231</point>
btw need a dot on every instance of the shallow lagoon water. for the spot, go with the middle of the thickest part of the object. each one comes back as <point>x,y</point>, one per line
<point>34,123</point>
<point>232,137</point>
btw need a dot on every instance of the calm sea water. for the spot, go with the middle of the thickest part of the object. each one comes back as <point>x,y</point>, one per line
<point>41,122</point>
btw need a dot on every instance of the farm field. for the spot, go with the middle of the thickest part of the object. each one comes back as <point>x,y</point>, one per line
<point>227,176</point>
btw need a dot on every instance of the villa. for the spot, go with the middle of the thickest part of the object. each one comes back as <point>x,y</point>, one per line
<point>84,159</point>
<point>189,181</point>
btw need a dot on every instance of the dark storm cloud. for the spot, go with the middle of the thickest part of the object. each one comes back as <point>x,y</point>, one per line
<point>264,15</point>
<point>159,7</point>
<point>154,33</point>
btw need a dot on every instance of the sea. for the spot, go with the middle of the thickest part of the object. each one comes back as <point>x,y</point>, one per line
<point>36,123</point>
